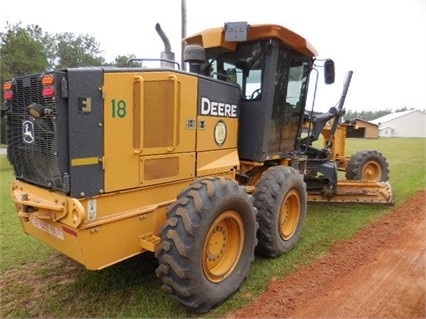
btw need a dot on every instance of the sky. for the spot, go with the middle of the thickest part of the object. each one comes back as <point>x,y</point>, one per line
<point>382,41</point>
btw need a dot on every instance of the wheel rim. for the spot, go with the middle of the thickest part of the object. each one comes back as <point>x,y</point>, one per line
<point>289,215</point>
<point>223,246</point>
<point>371,171</point>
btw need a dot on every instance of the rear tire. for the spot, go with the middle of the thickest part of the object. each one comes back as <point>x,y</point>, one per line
<point>368,165</point>
<point>207,243</point>
<point>281,199</point>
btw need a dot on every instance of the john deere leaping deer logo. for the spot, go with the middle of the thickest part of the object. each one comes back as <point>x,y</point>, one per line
<point>28,132</point>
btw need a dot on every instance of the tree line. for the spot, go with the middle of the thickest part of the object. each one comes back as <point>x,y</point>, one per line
<point>28,50</point>
<point>372,115</point>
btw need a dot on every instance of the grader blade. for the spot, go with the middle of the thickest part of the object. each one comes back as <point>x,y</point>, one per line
<point>353,191</point>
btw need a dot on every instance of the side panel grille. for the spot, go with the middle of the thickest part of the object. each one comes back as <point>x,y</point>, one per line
<point>32,144</point>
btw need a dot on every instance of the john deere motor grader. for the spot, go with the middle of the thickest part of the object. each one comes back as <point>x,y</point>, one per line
<point>201,167</point>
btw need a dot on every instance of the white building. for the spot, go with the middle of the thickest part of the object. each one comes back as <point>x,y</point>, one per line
<point>410,123</point>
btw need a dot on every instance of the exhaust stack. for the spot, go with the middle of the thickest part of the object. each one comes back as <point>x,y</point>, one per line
<point>167,56</point>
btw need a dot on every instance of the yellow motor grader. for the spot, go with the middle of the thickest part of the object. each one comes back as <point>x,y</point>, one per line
<point>203,167</point>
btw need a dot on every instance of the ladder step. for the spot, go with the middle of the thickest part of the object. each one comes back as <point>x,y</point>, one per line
<point>149,241</point>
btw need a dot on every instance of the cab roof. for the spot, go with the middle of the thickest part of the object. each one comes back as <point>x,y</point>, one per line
<point>215,37</point>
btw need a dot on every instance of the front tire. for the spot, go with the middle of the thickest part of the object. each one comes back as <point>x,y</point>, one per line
<point>207,243</point>
<point>281,199</point>
<point>367,165</point>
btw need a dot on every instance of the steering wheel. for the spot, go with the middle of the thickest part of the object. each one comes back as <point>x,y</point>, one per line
<point>255,94</point>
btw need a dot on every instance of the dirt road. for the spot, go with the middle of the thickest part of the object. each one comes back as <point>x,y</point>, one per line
<point>378,273</point>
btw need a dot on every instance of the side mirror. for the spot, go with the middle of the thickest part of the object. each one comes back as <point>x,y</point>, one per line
<point>329,73</point>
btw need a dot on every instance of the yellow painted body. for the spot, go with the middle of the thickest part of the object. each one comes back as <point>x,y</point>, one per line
<point>338,150</point>
<point>151,153</point>
<point>358,191</point>
<point>152,135</point>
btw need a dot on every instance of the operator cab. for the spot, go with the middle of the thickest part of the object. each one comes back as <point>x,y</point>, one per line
<point>271,65</point>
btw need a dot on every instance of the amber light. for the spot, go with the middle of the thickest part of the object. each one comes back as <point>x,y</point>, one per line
<point>48,91</point>
<point>7,86</point>
<point>48,79</point>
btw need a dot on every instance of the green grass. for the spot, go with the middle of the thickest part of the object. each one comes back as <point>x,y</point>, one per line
<point>36,281</point>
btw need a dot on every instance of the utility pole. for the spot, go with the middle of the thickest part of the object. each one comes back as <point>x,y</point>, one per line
<point>183,35</point>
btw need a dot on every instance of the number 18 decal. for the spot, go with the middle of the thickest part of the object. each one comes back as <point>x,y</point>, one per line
<point>118,108</point>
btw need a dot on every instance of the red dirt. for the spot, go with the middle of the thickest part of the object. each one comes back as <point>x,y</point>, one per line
<point>378,273</point>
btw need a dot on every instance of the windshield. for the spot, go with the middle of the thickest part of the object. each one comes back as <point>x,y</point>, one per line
<point>243,67</point>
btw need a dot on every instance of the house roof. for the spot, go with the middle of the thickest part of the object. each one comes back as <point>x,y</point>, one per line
<point>392,116</point>
<point>365,121</point>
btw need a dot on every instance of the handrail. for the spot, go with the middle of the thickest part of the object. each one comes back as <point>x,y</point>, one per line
<point>175,111</point>
<point>138,108</point>
<point>129,61</point>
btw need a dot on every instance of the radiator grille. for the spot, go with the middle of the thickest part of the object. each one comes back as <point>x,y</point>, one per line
<point>32,147</point>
